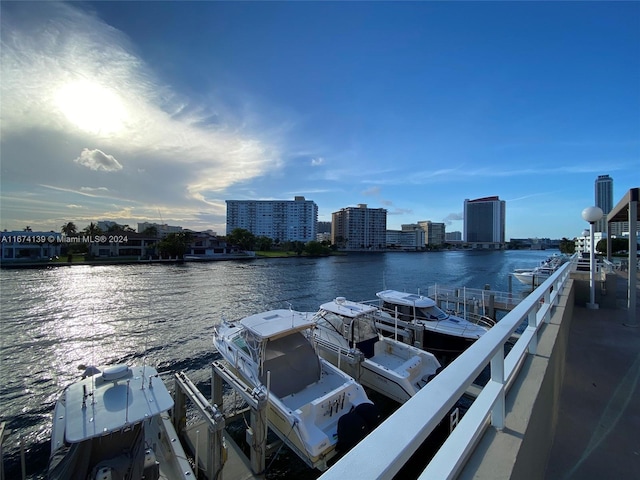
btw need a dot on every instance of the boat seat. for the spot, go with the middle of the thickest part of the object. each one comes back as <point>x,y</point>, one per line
<point>409,364</point>
<point>293,364</point>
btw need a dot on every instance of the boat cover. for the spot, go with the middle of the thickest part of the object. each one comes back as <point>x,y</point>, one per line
<point>110,405</point>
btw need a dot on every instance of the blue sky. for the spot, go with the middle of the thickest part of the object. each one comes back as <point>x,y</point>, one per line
<point>161,111</point>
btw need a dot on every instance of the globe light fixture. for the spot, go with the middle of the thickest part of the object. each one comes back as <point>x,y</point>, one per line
<point>592,215</point>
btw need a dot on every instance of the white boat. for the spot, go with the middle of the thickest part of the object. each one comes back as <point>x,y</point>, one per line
<point>114,424</point>
<point>315,408</point>
<point>444,334</point>
<point>346,335</point>
<point>537,275</point>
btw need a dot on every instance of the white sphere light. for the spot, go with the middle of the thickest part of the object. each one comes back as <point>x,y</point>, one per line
<point>592,214</point>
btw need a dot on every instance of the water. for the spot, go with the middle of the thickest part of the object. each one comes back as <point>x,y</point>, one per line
<point>54,319</point>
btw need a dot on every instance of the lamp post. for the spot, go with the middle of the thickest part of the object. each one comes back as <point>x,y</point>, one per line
<point>592,215</point>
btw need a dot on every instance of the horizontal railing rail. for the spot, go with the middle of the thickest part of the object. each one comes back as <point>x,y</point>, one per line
<point>388,448</point>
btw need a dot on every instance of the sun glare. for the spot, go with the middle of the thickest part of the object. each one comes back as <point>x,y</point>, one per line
<point>91,107</point>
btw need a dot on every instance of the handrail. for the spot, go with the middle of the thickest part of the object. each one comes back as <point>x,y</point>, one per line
<point>385,451</point>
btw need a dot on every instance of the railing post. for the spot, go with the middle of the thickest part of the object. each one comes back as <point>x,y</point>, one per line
<point>532,321</point>
<point>547,301</point>
<point>497,375</point>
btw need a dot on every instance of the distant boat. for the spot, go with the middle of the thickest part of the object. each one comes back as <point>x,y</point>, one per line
<point>444,334</point>
<point>345,334</point>
<point>537,275</point>
<point>314,407</point>
<point>212,257</point>
<point>114,424</point>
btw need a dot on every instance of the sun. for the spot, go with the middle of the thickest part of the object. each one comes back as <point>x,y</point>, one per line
<point>91,107</point>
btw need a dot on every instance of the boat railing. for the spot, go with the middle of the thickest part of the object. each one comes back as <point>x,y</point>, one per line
<point>387,449</point>
<point>471,300</point>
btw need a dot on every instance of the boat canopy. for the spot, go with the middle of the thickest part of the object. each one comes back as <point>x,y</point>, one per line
<point>107,402</point>
<point>347,308</point>
<point>277,323</point>
<point>407,299</point>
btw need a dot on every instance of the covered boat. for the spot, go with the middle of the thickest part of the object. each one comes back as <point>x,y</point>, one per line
<point>114,424</point>
<point>314,407</point>
<point>347,336</point>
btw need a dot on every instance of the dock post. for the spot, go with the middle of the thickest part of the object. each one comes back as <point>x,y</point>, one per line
<point>216,387</point>
<point>259,438</point>
<point>179,417</point>
<point>491,307</point>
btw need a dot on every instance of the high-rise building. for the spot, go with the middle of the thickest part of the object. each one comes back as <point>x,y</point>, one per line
<point>359,228</point>
<point>484,222</point>
<point>603,199</point>
<point>282,220</point>
<point>434,232</point>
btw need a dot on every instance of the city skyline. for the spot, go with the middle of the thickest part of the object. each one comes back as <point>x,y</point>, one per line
<point>162,111</point>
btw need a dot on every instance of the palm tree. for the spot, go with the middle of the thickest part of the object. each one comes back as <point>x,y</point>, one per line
<point>69,229</point>
<point>92,229</point>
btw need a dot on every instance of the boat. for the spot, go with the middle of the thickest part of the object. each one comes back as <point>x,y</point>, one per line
<point>113,423</point>
<point>346,335</point>
<point>444,334</point>
<point>537,275</point>
<point>315,408</point>
<point>210,256</point>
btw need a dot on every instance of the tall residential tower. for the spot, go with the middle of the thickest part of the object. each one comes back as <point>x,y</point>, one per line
<point>604,200</point>
<point>283,220</point>
<point>359,228</point>
<point>484,222</point>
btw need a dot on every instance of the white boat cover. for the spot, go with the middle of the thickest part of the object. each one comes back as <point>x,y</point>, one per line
<point>120,396</point>
<point>276,323</point>
<point>403,298</point>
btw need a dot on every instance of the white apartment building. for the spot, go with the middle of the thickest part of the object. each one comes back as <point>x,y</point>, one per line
<point>406,239</point>
<point>282,220</point>
<point>359,228</point>
<point>583,243</point>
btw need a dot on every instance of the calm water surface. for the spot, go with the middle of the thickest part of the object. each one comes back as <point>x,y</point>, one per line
<point>52,320</point>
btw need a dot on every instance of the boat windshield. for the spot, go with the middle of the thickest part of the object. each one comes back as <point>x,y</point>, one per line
<point>355,329</point>
<point>431,313</point>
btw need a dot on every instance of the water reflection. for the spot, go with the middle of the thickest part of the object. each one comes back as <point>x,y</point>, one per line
<point>54,319</point>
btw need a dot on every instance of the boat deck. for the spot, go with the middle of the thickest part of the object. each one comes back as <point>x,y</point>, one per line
<point>329,381</point>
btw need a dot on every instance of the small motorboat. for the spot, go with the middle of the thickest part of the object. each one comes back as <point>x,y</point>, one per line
<point>346,335</point>
<point>114,424</point>
<point>314,407</point>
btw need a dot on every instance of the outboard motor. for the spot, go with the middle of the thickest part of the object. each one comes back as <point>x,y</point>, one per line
<point>357,424</point>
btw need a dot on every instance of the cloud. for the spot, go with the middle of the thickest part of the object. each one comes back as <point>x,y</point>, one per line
<point>54,61</point>
<point>98,160</point>
<point>372,192</point>
<point>452,217</point>
<point>316,162</point>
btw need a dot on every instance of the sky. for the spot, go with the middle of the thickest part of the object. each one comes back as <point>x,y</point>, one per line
<point>160,111</point>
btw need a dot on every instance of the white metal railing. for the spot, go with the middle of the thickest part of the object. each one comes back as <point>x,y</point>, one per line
<point>385,451</point>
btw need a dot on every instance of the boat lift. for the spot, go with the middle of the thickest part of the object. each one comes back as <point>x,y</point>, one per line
<point>220,454</point>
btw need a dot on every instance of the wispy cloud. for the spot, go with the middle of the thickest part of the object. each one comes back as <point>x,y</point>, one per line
<point>66,71</point>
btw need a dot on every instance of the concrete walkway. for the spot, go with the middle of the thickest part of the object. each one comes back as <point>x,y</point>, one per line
<point>598,432</point>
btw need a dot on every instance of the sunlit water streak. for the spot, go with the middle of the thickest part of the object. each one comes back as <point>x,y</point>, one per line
<point>54,319</point>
